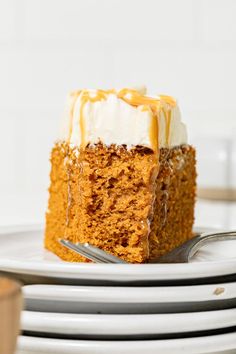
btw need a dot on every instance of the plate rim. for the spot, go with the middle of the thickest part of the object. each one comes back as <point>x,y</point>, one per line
<point>124,295</point>
<point>114,272</point>
<point>127,324</point>
<point>192,345</point>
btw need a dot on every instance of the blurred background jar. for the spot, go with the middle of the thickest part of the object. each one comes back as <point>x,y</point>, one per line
<point>216,204</point>
<point>10,310</point>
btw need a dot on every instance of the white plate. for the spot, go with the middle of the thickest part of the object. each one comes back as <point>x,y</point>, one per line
<point>100,299</point>
<point>216,344</point>
<point>22,254</point>
<point>126,326</point>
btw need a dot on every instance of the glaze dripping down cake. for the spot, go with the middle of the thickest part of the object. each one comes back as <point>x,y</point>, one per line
<point>123,176</point>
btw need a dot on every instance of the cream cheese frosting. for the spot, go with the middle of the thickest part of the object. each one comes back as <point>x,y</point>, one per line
<point>125,117</point>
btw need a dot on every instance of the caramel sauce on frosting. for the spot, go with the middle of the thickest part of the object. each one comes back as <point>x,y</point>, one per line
<point>127,116</point>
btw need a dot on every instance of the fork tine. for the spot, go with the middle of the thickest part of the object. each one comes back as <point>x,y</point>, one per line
<point>91,252</point>
<point>82,252</point>
<point>83,248</point>
<point>100,253</point>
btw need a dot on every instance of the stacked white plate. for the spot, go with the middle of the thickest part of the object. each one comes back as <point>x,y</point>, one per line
<point>122,309</point>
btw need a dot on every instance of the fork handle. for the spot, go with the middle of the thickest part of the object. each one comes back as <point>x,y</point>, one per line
<point>199,241</point>
<point>184,252</point>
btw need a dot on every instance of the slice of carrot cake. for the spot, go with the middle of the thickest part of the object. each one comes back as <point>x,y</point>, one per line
<point>123,176</point>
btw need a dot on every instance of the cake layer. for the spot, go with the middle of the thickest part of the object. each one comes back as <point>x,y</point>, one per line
<point>126,117</point>
<point>134,203</point>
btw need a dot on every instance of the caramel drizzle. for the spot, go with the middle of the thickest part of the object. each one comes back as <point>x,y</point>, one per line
<point>133,97</point>
<point>168,104</point>
<point>168,121</point>
<point>85,97</point>
<point>136,99</point>
<point>169,100</point>
<point>163,102</point>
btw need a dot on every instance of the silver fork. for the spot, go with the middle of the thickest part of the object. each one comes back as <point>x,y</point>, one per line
<point>181,254</point>
<point>93,253</point>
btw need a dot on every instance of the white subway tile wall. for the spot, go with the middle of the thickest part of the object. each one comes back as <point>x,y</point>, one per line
<point>186,48</point>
